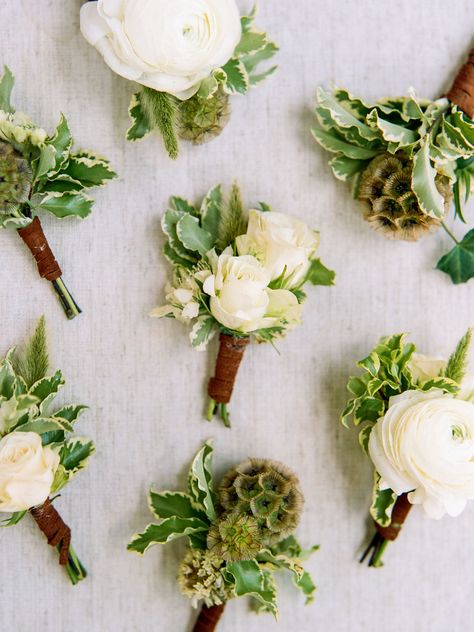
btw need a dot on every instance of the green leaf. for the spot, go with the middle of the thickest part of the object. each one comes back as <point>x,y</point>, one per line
<point>458,361</point>
<point>69,413</point>
<point>41,425</point>
<point>13,519</point>
<point>364,436</point>
<point>383,501</point>
<point>169,223</point>
<point>6,87</point>
<point>331,142</point>
<point>252,60</point>
<point>249,581</point>
<point>170,504</point>
<point>250,42</point>
<point>255,79</point>
<point>75,453</point>
<point>345,168</point>
<point>211,210</point>
<point>61,143</point>
<point>423,183</point>
<point>90,172</point>
<point>47,161</point>
<point>47,388</point>
<point>140,126</point>
<point>459,262</point>
<point>200,480</point>
<point>170,529</point>
<point>401,136</point>
<point>237,77</point>
<point>192,236</point>
<point>67,205</point>
<point>171,255</point>
<point>318,274</point>
<point>342,117</point>
<point>202,331</point>
<point>185,206</point>
<point>247,21</point>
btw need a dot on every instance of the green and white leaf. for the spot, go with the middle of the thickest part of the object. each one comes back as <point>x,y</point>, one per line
<point>202,331</point>
<point>192,236</point>
<point>168,504</point>
<point>423,183</point>
<point>66,205</point>
<point>168,530</point>
<point>200,482</point>
<point>383,501</point>
<point>249,580</point>
<point>237,78</point>
<point>140,126</point>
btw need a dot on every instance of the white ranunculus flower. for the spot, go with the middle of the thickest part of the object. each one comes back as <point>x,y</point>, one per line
<point>26,471</point>
<point>424,445</point>
<point>167,45</point>
<point>281,243</point>
<point>240,297</point>
<point>424,368</point>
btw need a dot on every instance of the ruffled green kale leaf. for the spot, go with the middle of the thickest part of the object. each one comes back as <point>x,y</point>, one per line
<point>459,262</point>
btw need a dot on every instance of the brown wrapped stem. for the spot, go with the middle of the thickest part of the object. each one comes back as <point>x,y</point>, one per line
<point>400,512</point>
<point>231,352</point>
<point>35,239</point>
<point>462,91</point>
<point>208,618</point>
<point>54,528</point>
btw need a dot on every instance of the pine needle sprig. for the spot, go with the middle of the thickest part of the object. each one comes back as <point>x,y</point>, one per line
<point>232,222</point>
<point>458,361</point>
<point>161,111</point>
<point>32,361</point>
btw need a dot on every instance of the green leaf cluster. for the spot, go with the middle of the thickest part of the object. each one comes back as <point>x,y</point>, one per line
<point>435,135</point>
<point>27,393</point>
<point>61,176</point>
<point>191,514</point>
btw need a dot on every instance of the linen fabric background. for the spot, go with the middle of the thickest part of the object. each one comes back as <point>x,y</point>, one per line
<point>146,386</point>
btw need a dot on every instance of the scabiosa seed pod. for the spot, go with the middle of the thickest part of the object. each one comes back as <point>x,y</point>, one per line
<point>235,537</point>
<point>200,578</point>
<point>390,204</point>
<point>16,178</point>
<point>269,492</point>
<point>200,119</point>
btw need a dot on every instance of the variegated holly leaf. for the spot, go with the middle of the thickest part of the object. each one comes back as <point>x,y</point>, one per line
<point>192,236</point>
<point>250,580</point>
<point>168,530</point>
<point>383,501</point>
<point>211,211</point>
<point>168,504</point>
<point>200,483</point>
<point>66,205</point>
<point>140,126</point>
<point>202,331</point>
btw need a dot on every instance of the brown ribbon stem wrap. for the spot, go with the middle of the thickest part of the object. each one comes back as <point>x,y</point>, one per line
<point>462,91</point>
<point>35,239</point>
<point>231,352</point>
<point>400,511</point>
<point>54,528</point>
<point>208,618</point>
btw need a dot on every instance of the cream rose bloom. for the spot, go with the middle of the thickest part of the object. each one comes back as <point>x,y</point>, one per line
<point>26,471</point>
<point>281,243</point>
<point>424,368</point>
<point>424,445</point>
<point>167,45</point>
<point>240,297</point>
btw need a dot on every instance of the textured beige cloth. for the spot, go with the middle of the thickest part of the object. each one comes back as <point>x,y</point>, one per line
<point>145,385</point>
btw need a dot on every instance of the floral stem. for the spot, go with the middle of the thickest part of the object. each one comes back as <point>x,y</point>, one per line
<point>71,308</point>
<point>208,618</point>
<point>211,409</point>
<point>225,415</point>
<point>74,568</point>
<point>376,548</point>
<point>449,232</point>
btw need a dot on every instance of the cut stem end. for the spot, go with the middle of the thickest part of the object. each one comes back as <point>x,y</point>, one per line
<point>69,305</point>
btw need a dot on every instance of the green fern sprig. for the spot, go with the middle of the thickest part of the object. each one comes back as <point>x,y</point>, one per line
<point>232,222</point>
<point>161,112</point>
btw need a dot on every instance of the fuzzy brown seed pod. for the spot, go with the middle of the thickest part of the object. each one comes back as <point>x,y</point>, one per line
<point>201,120</point>
<point>268,492</point>
<point>16,177</point>
<point>390,204</point>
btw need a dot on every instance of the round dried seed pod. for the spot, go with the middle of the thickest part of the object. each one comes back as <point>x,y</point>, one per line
<point>16,178</point>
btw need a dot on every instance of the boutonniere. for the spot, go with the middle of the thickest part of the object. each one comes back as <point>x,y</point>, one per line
<point>240,533</point>
<point>239,274</point>
<point>38,455</point>
<point>40,173</point>
<point>418,427</point>
<point>190,57</point>
<point>407,159</point>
